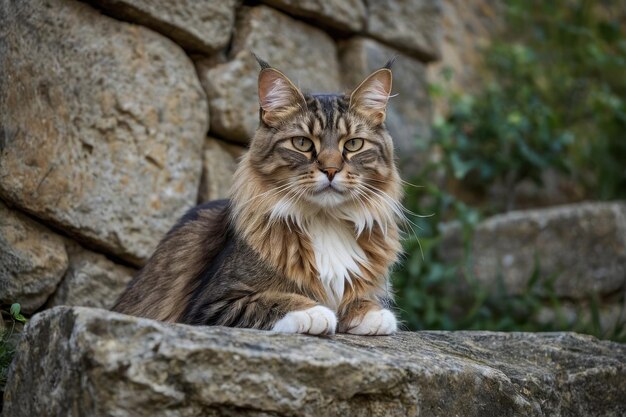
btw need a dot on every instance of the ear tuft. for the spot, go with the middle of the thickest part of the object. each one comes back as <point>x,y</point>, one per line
<point>278,97</point>
<point>371,96</point>
<point>389,63</point>
<point>262,63</point>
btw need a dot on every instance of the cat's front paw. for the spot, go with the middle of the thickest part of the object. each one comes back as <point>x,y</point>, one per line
<point>374,322</point>
<point>314,320</point>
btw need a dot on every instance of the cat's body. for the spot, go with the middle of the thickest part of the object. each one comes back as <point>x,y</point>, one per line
<point>306,242</point>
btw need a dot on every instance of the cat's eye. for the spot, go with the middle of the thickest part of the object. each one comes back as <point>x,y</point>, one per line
<point>302,144</point>
<point>353,145</point>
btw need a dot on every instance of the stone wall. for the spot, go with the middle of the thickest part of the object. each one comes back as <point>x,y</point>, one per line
<point>116,116</point>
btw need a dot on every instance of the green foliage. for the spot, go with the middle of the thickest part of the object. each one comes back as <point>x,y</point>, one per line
<point>8,342</point>
<point>423,283</point>
<point>505,135</point>
<point>554,98</point>
<point>578,67</point>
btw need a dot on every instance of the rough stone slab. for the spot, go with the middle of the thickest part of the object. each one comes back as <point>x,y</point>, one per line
<point>343,15</point>
<point>583,245</point>
<point>90,362</point>
<point>409,112</point>
<point>306,55</point>
<point>33,260</point>
<point>197,25</point>
<point>411,25</point>
<point>218,168</point>
<point>91,280</point>
<point>101,125</point>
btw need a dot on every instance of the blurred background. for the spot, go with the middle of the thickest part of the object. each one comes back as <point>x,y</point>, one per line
<point>523,174</point>
<point>116,116</point>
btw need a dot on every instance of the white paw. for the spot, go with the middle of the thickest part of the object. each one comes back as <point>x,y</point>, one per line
<point>314,320</point>
<point>374,322</point>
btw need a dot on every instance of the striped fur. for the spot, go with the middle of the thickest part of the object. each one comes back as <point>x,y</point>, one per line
<point>307,238</point>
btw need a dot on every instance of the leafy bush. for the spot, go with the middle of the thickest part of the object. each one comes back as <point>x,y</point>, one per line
<point>557,101</point>
<point>506,135</point>
<point>578,51</point>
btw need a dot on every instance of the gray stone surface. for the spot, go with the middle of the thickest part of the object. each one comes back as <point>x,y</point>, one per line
<point>412,25</point>
<point>218,168</point>
<point>91,280</point>
<point>101,125</point>
<point>33,260</point>
<point>306,55</point>
<point>197,25</point>
<point>581,246</point>
<point>409,111</point>
<point>468,27</point>
<point>90,362</point>
<point>343,15</point>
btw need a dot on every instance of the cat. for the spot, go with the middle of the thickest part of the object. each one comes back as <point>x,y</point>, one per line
<point>306,241</point>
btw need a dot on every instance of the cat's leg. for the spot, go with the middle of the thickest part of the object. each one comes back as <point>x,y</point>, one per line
<point>366,317</point>
<point>281,312</point>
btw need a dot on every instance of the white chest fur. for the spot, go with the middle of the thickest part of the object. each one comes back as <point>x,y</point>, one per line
<point>337,254</point>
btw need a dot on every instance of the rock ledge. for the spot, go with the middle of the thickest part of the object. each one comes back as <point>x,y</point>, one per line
<point>90,362</point>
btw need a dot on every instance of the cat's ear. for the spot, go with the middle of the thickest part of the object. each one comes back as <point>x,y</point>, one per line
<point>371,96</point>
<point>279,98</point>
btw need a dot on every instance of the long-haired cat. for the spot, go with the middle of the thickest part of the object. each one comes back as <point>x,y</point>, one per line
<point>306,241</point>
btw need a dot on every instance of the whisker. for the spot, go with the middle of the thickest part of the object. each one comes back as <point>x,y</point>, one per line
<point>385,181</point>
<point>369,199</point>
<point>275,190</point>
<point>399,210</point>
<point>395,206</point>
<point>411,185</point>
<point>399,205</point>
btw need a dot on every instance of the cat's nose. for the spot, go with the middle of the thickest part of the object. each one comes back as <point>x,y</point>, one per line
<point>330,173</point>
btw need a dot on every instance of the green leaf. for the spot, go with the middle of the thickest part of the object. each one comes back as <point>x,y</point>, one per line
<point>514,118</point>
<point>460,167</point>
<point>16,309</point>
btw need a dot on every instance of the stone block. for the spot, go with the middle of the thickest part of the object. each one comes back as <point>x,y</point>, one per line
<point>33,260</point>
<point>582,247</point>
<point>91,280</point>
<point>411,25</point>
<point>90,362</point>
<point>468,27</point>
<point>101,125</point>
<point>198,25</point>
<point>342,15</point>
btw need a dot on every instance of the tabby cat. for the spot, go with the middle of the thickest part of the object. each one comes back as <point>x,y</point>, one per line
<point>305,243</point>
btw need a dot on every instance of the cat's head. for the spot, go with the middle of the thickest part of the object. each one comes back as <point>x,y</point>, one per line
<point>324,152</point>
